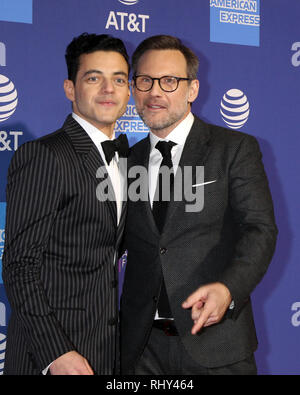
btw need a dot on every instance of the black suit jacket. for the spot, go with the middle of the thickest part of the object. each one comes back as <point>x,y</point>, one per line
<point>231,240</point>
<point>58,263</point>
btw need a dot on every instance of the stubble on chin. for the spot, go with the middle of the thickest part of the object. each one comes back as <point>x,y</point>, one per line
<point>156,125</point>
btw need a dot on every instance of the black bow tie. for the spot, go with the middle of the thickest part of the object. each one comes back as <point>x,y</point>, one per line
<point>119,145</point>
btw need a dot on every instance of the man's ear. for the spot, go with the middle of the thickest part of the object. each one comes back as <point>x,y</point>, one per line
<point>69,90</point>
<point>129,90</point>
<point>193,90</point>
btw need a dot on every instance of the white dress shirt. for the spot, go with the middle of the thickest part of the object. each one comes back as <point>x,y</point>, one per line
<point>178,136</point>
<point>113,170</point>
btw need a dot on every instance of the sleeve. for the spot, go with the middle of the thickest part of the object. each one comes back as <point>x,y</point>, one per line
<point>33,193</point>
<point>252,207</point>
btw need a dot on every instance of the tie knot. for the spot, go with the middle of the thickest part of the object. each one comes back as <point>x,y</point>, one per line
<point>165,148</point>
<point>120,145</point>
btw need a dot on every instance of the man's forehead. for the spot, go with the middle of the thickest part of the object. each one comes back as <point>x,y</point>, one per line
<point>162,62</point>
<point>103,60</point>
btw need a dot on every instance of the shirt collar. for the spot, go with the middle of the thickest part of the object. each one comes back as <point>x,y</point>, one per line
<point>95,134</point>
<point>178,135</point>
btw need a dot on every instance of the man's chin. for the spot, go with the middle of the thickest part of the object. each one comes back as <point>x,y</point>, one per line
<point>156,125</point>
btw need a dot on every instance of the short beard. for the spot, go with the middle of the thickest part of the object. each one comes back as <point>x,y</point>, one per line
<point>160,125</point>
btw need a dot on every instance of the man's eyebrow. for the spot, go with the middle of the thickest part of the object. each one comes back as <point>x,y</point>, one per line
<point>101,73</point>
<point>92,72</point>
<point>121,72</point>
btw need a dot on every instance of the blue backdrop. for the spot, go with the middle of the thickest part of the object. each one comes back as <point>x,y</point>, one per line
<point>249,55</point>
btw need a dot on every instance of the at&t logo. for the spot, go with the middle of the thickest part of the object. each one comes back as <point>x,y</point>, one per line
<point>2,54</point>
<point>296,316</point>
<point>123,20</point>
<point>9,140</point>
<point>127,21</point>
<point>235,108</point>
<point>2,314</point>
<point>8,103</point>
<point>296,56</point>
<point>129,2</point>
<point>8,98</point>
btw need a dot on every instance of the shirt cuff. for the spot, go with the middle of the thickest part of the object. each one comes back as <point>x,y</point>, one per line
<point>45,371</point>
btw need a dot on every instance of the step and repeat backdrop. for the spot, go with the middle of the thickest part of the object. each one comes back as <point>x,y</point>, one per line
<point>249,54</point>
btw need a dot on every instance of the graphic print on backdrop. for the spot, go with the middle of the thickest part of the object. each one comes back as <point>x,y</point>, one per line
<point>124,21</point>
<point>235,21</point>
<point>8,98</point>
<point>16,11</point>
<point>2,54</point>
<point>235,108</point>
<point>3,322</point>
<point>2,234</point>
<point>131,124</point>
<point>129,2</point>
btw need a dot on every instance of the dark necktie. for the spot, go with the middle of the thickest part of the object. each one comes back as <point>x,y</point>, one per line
<point>159,209</point>
<point>120,145</point>
<point>160,205</point>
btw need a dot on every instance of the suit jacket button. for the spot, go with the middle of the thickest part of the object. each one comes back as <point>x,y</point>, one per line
<point>155,299</point>
<point>112,321</point>
<point>114,283</point>
<point>163,250</point>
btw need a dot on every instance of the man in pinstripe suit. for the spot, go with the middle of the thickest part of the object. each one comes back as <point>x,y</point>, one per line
<point>59,264</point>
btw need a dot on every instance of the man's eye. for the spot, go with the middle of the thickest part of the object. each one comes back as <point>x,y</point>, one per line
<point>120,81</point>
<point>169,80</point>
<point>92,79</point>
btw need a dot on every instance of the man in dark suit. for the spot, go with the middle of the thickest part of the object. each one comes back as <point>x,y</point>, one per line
<point>62,235</point>
<point>210,258</point>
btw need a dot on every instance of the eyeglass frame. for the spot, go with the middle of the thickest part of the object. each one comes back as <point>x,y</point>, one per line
<point>178,79</point>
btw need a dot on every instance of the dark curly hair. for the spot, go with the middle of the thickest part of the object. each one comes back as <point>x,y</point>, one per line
<point>87,43</point>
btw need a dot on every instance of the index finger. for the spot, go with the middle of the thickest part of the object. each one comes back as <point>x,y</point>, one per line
<point>201,321</point>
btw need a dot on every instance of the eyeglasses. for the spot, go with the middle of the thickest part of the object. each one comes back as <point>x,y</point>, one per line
<point>167,83</point>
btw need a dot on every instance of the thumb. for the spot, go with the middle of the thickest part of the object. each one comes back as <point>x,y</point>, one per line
<point>199,295</point>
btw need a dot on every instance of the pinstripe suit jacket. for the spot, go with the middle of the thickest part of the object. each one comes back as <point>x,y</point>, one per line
<point>58,263</point>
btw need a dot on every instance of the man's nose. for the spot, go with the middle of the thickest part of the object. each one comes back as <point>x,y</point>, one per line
<point>107,85</point>
<point>156,89</point>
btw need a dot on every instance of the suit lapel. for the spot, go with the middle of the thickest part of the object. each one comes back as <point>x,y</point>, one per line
<point>91,158</point>
<point>142,159</point>
<point>194,154</point>
<point>123,168</point>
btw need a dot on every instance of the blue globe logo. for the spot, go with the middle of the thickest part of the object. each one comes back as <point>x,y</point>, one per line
<point>235,108</point>
<point>129,2</point>
<point>8,98</point>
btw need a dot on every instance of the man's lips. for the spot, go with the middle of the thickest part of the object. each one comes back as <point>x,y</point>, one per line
<point>155,107</point>
<point>107,103</point>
